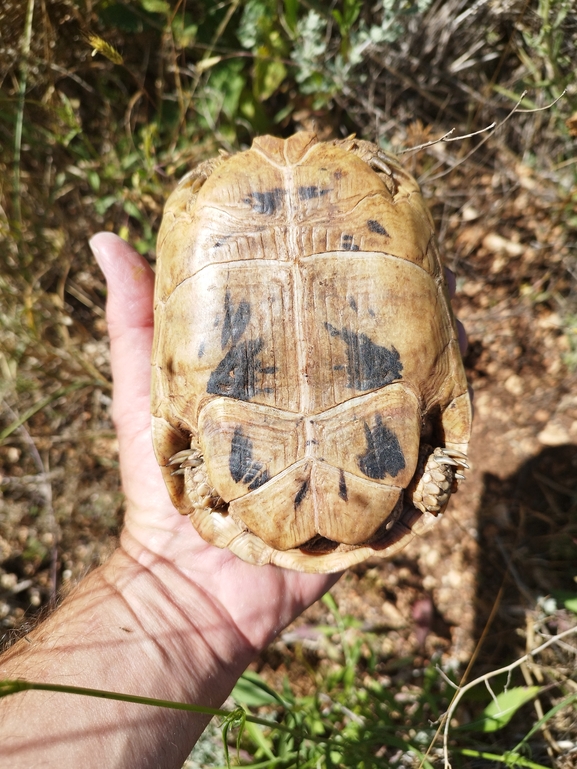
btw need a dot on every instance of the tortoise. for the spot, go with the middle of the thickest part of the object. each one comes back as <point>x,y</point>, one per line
<point>309,403</point>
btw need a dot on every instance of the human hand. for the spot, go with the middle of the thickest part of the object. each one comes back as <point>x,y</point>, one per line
<point>257,601</point>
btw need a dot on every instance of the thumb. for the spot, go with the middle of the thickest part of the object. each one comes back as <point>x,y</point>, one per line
<point>129,313</point>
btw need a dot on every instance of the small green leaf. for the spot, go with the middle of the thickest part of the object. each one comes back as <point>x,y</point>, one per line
<point>500,711</point>
<point>251,690</point>
<point>155,6</point>
<point>184,36</point>
<point>132,210</point>
<point>330,603</point>
<point>224,89</point>
<point>291,13</point>
<point>269,76</point>
<point>103,204</point>
<point>256,734</point>
<point>571,604</point>
<point>93,180</point>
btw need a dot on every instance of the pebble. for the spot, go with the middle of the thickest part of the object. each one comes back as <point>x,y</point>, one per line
<point>553,434</point>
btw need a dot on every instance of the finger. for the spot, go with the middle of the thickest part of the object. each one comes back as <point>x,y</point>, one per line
<point>129,313</point>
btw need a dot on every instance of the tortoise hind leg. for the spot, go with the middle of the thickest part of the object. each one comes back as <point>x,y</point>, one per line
<point>437,477</point>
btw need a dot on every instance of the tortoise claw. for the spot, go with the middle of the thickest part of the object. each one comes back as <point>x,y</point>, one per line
<point>184,459</point>
<point>379,164</point>
<point>181,456</point>
<point>447,461</point>
<point>459,457</point>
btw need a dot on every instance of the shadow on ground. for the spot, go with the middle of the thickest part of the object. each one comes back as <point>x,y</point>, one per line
<point>528,546</point>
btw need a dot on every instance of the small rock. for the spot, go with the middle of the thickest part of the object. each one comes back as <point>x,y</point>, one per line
<point>496,244</point>
<point>8,581</point>
<point>469,213</point>
<point>514,384</point>
<point>429,582</point>
<point>452,578</point>
<point>23,585</point>
<point>391,617</point>
<point>553,434</point>
<point>13,454</point>
<point>5,549</point>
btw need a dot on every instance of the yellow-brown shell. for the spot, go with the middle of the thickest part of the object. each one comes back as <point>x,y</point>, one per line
<point>305,352</point>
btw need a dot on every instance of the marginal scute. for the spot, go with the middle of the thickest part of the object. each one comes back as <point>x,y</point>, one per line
<point>310,407</point>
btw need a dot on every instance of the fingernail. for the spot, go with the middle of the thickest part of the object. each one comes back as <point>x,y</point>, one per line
<point>94,248</point>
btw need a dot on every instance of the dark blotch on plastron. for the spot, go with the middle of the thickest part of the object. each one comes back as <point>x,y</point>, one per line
<point>301,493</point>
<point>347,243</point>
<point>370,365</point>
<point>221,241</point>
<point>383,455</point>
<point>201,348</point>
<point>343,493</point>
<point>169,366</point>
<point>261,478</point>
<point>235,321</point>
<point>235,375</point>
<point>377,227</point>
<point>308,193</point>
<point>240,455</point>
<point>353,304</point>
<point>266,202</point>
<point>241,464</point>
<point>332,330</point>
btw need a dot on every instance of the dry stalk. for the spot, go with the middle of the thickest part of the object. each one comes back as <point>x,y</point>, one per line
<point>461,690</point>
<point>490,130</point>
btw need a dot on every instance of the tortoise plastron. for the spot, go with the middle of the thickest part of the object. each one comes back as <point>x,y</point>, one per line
<point>310,407</point>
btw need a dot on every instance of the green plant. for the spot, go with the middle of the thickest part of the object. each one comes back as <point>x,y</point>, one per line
<point>547,53</point>
<point>356,718</point>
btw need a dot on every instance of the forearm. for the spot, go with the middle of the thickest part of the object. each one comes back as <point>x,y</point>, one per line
<point>124,629</point>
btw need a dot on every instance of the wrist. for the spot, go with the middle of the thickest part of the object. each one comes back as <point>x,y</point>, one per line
<point>186,633</point>
<point>127,629</point>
